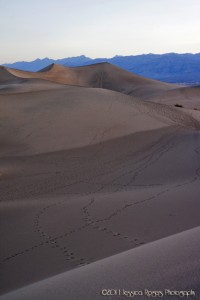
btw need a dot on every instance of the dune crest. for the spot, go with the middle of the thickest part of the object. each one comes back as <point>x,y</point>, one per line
<point>102,75</point>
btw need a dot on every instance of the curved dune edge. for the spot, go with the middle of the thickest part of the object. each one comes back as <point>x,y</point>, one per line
<point>169,263</point>
<point>7,77</point>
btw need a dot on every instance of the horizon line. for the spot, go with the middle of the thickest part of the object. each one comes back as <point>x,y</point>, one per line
<point>83,55</point>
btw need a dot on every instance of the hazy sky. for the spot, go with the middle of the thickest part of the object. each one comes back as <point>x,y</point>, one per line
<point>97,28</point>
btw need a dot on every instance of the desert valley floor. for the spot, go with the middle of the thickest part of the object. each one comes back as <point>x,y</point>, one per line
<point>99,184</point>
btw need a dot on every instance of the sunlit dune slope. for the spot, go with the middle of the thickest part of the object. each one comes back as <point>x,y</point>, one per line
<point>103,75</point>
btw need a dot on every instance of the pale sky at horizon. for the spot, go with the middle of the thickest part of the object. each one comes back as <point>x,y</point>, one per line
<point>96,28</point>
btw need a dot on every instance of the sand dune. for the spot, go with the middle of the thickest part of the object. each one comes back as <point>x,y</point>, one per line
<point>134,270</point>
<point>103,75</point>
<point>71,117</point>
<point>95,185</point>
<point>188,97</point>
<point>63,206</point>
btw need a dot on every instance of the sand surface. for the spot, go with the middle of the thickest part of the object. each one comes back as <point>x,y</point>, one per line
<point>188,97</point>
<point>130,271</point>
<point>98,189</point>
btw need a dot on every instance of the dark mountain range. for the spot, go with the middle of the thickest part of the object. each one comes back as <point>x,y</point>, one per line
<point>170,67</point>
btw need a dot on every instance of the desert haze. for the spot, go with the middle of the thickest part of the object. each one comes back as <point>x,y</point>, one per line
<point>99,183</point>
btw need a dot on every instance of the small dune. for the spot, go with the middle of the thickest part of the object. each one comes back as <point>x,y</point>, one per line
<point>188,97</point>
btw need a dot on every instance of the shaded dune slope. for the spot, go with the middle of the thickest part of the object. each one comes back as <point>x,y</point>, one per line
<point>7,77</point>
